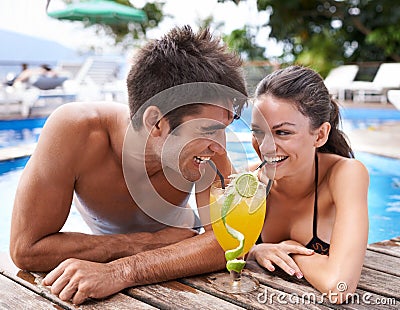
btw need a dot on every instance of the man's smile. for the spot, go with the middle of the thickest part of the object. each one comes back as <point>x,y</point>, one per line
<point>201,159</point>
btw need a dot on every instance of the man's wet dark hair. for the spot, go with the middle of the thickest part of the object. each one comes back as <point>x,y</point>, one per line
<point>182,57</point>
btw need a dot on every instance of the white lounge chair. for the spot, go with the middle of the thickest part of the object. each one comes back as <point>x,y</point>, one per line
<point>45,92</point>
<point>98,79</point>
<point>394,97</point>
<point>339,79</point>
<point>387,77</point>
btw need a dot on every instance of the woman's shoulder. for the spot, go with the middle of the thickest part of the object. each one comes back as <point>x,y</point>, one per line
<point>342,169</point>
<point>334,162</point>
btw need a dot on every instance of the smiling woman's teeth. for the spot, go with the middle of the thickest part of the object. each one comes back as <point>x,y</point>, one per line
<point>276,159</point>
<point>201,159</point>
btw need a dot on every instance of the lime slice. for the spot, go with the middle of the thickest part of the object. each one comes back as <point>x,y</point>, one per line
<point>236,265</point>
<point>226,206</point>
<point>254,205</point>
<point>232,254</point>
<point>246,185</point>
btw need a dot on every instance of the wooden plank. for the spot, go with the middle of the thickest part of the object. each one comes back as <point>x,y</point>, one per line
<point>364,300</point>
<point>263,298</point>
<point>283,282</point>
<point>396,239</point>
<point>118,301</point>
<point>382,262</point>
<point>370,282</point>
<point>27,280</point>
<point>176,295</point>
<point>15,296</point>
<point>380,283</point>
<point>388,247</point>
<point>115,302</point>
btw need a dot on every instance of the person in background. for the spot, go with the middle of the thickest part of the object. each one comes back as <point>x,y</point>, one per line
<point>46,70</point>
<point>10,81</point>
<point>316,224</point>
<point>30,76</point>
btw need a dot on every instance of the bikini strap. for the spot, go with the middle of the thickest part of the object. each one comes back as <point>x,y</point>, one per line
<point>315,217</point>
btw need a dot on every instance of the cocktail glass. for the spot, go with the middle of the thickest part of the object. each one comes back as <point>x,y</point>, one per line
<point>244,215</point>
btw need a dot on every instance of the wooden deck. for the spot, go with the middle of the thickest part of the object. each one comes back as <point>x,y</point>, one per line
<point>379,288</point>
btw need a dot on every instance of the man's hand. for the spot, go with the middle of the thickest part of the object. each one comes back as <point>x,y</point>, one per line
<point>78,280</point>
<point>268,254</point>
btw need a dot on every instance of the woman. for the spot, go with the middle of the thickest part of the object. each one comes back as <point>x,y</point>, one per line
<point>317,213</point>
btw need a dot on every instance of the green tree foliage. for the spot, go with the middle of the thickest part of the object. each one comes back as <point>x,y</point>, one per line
<point>209,22</point>
<point>125,34</point>
<point>121,32</point>
<point>325,33</point>
<point>317,33</point>
<point>242,41</point>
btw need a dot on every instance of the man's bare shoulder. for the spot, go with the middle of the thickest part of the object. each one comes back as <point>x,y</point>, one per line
<point>91,116</point>
<point>85,129</point>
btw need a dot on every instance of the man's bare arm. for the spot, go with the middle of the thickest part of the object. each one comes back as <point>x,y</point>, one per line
<point>80,280</point>
<point>48,252</point>
<point>44,197</point>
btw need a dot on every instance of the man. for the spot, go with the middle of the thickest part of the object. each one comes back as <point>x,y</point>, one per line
<point>115,161</point>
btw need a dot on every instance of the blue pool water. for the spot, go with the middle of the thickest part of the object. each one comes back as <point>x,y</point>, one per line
<point>10,172</point>
<point>383,194</point>
<point>370,115</point>
<point>384,191</point>
<point>14,132</point>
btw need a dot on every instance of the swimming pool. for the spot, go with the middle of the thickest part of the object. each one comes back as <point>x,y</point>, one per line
<point>10,172</point>
<point>384,188</point>
<point>23,131</point>
<point>383,194</point>
<point>383,199</point>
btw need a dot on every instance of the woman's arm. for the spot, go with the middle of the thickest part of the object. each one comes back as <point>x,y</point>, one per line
<point>348,184</point>
<point>270,254</point>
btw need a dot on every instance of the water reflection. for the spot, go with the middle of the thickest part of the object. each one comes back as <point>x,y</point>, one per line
<point>13,137</point>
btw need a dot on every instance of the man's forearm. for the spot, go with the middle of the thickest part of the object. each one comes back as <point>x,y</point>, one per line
<point>51,250</point>
<point>197,255</point>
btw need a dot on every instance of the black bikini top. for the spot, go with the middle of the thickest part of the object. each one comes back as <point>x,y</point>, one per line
<point>315,243</point>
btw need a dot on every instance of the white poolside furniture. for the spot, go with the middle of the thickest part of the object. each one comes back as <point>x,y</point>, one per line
<point>339,79</point>
<point>394,97</point>
<point>22,99</point>
<point>387,77</point>
<point>99,79</point>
